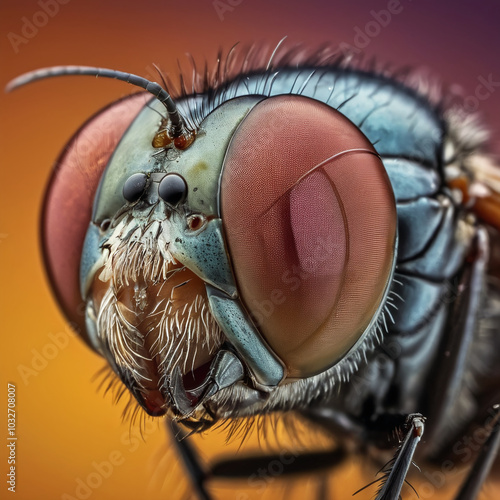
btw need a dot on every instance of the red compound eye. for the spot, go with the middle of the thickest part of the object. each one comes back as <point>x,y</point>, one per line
<point>70,194</point>
<point>311,229</point>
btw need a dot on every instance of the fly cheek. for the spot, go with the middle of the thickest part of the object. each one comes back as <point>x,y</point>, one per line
<point>310,222</point>
<point>67,208</point>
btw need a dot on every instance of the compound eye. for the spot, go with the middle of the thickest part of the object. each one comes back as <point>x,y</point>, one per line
<point>134,187</point>
<point>172,189</point>
<point>310,222</point>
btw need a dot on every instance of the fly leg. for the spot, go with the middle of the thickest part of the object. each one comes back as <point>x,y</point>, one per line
<point>396,470</point>
<point>479,471</point>
<point>191,462</point>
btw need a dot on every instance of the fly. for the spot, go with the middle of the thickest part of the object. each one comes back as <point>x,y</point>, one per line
<point>289,235</point>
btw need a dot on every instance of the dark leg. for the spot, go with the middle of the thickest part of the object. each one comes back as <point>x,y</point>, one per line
<point>190,460</point>
<point>479,471</point>
<point>394,474</point>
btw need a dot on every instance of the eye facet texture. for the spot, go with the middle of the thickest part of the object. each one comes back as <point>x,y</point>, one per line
<point>311,228</point>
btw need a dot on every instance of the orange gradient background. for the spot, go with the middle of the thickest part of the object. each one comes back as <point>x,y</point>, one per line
<point>63,424</point>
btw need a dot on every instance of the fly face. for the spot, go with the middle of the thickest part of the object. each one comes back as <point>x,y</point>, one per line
<point>175,283</point>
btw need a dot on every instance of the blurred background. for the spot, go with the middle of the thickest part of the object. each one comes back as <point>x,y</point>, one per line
<point>72,443</point>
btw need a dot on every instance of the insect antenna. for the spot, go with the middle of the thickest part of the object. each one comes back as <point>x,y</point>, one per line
<point>178,126</point>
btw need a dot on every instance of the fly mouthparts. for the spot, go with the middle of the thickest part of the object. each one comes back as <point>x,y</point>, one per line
<point>224,370</point>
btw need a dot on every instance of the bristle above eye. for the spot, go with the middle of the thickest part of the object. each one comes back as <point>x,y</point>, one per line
<point>254,69</point>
